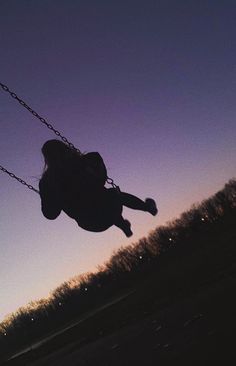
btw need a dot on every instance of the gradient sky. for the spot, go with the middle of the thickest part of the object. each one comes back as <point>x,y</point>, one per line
<point>149,84</point>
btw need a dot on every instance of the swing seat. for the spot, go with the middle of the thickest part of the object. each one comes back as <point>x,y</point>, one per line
<point>99,216</point>
<point>95,225</point>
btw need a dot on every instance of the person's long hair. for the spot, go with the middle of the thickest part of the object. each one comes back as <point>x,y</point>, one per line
<point>58,155</point>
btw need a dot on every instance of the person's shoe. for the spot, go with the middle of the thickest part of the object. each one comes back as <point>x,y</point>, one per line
<point>151,206</point>
<point>127,228</point>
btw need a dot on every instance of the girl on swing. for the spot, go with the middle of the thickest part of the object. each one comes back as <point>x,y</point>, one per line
<point>75,183</point>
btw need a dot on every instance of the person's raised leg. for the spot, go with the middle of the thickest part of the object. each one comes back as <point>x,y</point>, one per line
<point>124,225</point>
<point>131,201</point>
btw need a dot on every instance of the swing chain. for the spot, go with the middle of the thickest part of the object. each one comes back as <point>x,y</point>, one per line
<point>111,182</point>
<point>35,114</point>
<point>48,125</point>
<point>12,175</point>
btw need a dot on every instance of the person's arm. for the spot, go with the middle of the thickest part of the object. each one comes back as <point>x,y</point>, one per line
<point>49,202</point>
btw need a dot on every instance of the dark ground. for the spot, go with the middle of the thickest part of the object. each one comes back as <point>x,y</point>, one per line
<point>190,327</point>
<point>199,328</point>
<point>182,310</point>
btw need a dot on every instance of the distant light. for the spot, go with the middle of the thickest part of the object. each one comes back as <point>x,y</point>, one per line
<point>59,303</point>
<point>140,257</point>
<point>202,219</point>
<point>86,289</point>
<point>5,334</point>
<point>170,239</point>
<point>32,319</point>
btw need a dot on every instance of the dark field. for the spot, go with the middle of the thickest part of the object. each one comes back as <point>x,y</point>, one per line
<point>186,312</point>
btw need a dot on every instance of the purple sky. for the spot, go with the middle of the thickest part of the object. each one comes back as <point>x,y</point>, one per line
<point>149,84</point>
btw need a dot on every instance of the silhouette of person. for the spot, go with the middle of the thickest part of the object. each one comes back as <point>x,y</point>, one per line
<point>75,183</point>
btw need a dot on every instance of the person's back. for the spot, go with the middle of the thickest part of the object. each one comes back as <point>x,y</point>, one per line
<point>73,184</point>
